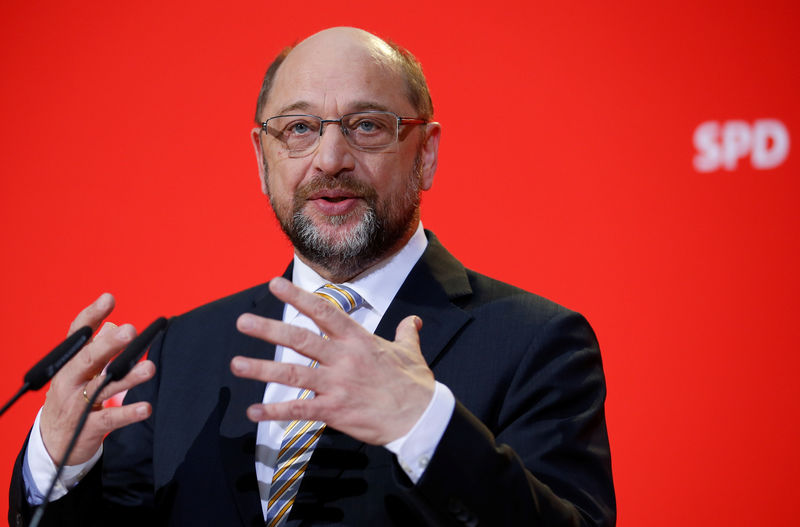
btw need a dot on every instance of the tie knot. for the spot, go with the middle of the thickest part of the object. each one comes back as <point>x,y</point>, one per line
<point>345,298</point>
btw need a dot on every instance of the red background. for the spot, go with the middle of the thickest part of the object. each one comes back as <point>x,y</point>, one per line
<point>565,168</point>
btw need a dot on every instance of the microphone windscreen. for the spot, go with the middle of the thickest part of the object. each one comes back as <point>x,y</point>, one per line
<point>120,366</point>
<point>44,370</point>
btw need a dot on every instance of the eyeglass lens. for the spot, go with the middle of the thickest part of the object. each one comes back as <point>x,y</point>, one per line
<point>368,130</point>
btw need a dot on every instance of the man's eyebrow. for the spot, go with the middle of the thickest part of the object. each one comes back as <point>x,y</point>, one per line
<point>299,105</point>
<point>357,106</point>
<point>360,106</point>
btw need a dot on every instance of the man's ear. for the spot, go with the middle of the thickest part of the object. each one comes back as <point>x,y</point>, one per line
<point>255,137</point>
<point>429,154</point>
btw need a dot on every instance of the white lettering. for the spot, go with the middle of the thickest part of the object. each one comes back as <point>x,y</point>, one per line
<point>722,145</point>
<point>706,136</point>
<point>766,156</point>
<point>735,143</point>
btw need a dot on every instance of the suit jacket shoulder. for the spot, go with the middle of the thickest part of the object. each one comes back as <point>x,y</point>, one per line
<point>527,442</point>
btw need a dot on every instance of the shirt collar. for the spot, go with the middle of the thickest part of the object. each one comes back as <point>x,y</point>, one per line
<point>377,285</point>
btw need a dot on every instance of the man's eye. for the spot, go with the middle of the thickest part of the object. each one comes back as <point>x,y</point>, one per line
<point>298,128</point>
<point>367,126</point>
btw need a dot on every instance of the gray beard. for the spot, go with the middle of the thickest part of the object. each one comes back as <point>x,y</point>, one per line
<point>345,257</point>
<point>381,227</point>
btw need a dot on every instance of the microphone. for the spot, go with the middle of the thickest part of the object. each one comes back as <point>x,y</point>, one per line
<point>44,370</point>
<point>126,360</point>
<point>118,369</point>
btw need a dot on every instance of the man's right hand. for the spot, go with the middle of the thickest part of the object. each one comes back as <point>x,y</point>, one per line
<point>82,375</point>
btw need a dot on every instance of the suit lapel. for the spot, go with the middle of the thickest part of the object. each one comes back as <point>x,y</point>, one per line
<point>430,292</point>
<point>237,432</point>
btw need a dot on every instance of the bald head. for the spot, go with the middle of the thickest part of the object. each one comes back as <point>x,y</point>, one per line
<point>343,42</point>
<point>339,46</point>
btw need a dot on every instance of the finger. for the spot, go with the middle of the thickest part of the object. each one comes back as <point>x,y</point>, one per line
<point>109,419</point>
<point>407,331</point>
<point>280,372</point>
<point>107,345</point>
<point>93,314</point>
<point>91,360</point>
<point>329,319</point>
<point>142,372</point>
<point>105,330</point>
<point>301,340</point>
<point>306,409</point>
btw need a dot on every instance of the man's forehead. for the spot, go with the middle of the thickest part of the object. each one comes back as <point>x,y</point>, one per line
<point>343,66</point>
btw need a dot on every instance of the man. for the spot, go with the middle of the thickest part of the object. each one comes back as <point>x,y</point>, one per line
<point>442,398</point>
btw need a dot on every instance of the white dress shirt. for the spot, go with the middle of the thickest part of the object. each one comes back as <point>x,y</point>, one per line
<point>378,286</point>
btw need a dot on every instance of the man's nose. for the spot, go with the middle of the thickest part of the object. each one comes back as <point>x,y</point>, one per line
<point>334,153</point>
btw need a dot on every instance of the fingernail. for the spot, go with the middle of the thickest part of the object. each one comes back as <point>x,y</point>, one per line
<point>246,322</point>
<point>104,302</point>
<point>141,411</point>
<point>279,283</point>
<point>240,364</point>
<point>255,413</point>
<point>107,326</point>
<point>125,333</point>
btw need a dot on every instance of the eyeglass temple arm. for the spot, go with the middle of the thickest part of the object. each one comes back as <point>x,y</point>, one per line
<point>411,120</point>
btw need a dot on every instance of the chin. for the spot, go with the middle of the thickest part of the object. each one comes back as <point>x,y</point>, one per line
<point>337,228</point>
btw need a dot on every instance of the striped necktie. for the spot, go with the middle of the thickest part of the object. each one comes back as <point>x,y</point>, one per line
<point>300,436</point>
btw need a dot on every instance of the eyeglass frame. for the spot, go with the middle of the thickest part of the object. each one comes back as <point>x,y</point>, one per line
<point>345,131</point>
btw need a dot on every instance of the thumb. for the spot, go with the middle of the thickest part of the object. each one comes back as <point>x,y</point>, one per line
<point>408,330</point>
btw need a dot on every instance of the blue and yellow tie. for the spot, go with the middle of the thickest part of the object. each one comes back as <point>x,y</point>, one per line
<point>300,436</point>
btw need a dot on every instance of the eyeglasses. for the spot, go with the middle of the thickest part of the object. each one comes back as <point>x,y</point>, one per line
<point>369,131</point>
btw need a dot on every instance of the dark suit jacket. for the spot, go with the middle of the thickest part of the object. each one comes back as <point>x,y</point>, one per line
<point>526,445</point>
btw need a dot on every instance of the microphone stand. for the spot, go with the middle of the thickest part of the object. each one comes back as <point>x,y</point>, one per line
<point>25,388</point>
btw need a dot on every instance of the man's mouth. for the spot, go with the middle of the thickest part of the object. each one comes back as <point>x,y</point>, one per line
<point>334,202</point>
<point>333,196</point>
<point>326,197</point>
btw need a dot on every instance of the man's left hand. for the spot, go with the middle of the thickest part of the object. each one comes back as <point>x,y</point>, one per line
<point>369,388</point>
